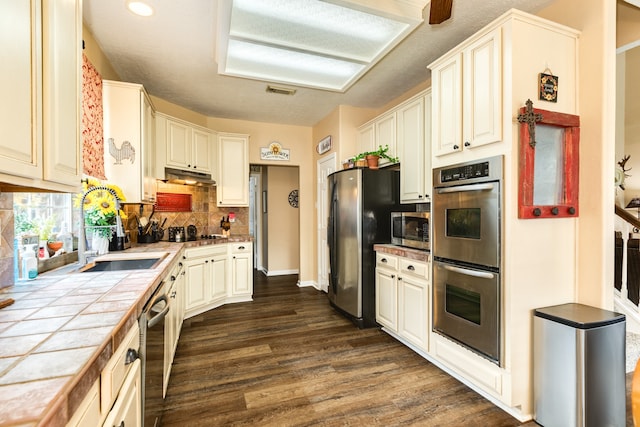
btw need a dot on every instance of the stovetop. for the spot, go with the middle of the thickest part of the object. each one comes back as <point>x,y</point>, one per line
<point>211,236</point>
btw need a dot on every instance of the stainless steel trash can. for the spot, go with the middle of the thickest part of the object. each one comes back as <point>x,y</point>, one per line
<point>579,366</point>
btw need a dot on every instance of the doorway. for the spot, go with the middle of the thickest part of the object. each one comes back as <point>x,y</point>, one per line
<point>325,167</point>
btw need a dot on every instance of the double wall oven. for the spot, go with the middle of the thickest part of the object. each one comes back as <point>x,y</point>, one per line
<point>466,216</point>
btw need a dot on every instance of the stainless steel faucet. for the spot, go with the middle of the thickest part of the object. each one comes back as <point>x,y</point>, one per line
<point>82,238</point>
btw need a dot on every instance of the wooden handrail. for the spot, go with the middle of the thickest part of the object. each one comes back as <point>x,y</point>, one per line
<point>627,216</point>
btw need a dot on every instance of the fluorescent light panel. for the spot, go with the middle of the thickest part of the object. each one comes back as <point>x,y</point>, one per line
<point>305,42</point>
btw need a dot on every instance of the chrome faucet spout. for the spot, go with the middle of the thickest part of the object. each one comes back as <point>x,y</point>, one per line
<point>82,238</point>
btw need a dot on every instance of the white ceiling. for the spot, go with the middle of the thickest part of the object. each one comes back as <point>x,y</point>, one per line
<point>172,54</point>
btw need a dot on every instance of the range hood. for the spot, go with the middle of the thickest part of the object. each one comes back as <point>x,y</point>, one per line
<point>184,177</point>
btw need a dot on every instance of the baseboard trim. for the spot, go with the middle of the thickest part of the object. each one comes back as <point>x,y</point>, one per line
<point>309,283</point>
<point>280,272</point>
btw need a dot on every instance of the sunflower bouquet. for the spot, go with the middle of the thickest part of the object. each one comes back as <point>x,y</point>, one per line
<point>100,207</point>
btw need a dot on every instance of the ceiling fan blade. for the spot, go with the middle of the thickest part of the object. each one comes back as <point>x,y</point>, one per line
<point>440,11</point>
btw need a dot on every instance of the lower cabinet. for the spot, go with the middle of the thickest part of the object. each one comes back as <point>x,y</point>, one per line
<point>175,290</point>
<point>216,275</point>
<point>403,291</point>
<point>115,399</point>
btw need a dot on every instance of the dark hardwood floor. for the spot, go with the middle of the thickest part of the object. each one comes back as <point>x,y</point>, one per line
<point>288,359</point>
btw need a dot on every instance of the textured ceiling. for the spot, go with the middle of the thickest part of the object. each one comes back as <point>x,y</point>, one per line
<point>172,54</point>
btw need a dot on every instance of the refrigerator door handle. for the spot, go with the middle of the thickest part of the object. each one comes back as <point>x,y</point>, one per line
<point>331,233</point>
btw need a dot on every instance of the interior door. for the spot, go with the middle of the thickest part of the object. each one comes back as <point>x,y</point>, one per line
<point>326,166</point>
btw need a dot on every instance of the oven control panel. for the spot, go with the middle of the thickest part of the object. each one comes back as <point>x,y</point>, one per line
<point>489,169</point>
<point>461,173</point>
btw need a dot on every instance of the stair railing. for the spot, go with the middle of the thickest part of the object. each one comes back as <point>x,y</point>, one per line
<point>626,224</point>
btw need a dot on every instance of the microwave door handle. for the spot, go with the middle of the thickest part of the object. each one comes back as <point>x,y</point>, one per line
<point>464,188</point>
<point>473,273</point>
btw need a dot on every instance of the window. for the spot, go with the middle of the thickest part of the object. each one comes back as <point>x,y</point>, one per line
<point>44,214</point>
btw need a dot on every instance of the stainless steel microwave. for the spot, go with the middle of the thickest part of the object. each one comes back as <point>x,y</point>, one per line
<point>410,229</point>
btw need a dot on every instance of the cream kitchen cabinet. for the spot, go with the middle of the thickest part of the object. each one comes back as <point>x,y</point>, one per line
<point>414,147</point>
<point>233,170</point>
<point>403,295</point>
<point>129,135</point>
<point>378,132</point>
<point>205,278</point>
<point>216,275</point>
<point>241,257</point>
<point>387,291</point>
<point>175,290</point>
<point>127,409</point>
<point>186,146</point>
<point>467,95</point>
<point>116,396</point>
<point>40,84</point>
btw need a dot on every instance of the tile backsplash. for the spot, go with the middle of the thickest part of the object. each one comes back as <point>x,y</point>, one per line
<point>205,215</point>
<point>7,244</point>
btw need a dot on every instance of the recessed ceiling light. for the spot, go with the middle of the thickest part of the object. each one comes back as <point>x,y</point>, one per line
<point>139,8</point>
<point>311,43</point>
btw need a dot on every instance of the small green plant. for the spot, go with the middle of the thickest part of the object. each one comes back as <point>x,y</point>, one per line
<point>380,152</point>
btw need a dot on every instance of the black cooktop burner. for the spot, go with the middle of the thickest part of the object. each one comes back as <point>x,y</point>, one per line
<point>209,236</point>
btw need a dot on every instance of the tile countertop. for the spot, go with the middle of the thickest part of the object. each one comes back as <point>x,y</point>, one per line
<point>403,251</point>
<point>62,330</point>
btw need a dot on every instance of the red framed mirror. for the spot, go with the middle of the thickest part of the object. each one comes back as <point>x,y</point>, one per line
<point>549,164</point>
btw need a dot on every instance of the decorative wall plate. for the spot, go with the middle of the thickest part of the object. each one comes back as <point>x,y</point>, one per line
<point>293,198</point>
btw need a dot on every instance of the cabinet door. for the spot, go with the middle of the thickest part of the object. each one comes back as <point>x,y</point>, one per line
<point>242,277</point>
<point>218,278</point>
<point>178,144</point>
<point>446,84</point>
<point>233,170</point>
<point>197,280</point>
<point>62,32</point>
<point>386,298</point>
<point>202,144</point>
<point>385,134</point>
<point>20,85</point>
<point>482,85</point>
<point>413,299</point>
<point>428,172</point>
<point>366,138</point>
<point>410,120</point>
<point>127,409</point>
<point>170,337</point>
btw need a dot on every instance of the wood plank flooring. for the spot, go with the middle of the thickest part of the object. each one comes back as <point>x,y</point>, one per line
<point>288,359</point>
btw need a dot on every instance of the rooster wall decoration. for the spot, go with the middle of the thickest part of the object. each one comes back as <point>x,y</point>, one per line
<point>126,151</point>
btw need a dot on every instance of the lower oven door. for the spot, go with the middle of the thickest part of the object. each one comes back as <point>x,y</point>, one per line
<point>466,307</point>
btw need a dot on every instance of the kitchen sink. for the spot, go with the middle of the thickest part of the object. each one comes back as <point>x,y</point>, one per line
<point>119,262</point>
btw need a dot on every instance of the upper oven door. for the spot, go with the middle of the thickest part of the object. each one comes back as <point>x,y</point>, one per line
<point>466,223</point>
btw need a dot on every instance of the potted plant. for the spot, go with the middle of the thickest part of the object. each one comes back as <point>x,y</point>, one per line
<point>372,158</point>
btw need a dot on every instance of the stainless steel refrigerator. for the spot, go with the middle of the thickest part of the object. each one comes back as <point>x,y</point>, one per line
<point>361,202</point>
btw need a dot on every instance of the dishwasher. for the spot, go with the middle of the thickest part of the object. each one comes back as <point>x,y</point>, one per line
<point>152,349</point>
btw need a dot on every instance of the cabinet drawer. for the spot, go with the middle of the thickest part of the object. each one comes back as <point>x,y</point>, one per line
<point>206,251</point>
<point>415,268</point>
<point>386,260</point>
<point>114,373</point>
<point>241,247</point>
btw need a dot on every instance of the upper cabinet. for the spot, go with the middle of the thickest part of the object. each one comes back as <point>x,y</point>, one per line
<point>233,170</point>
<point>40,81</point>
<point>378,132</point>
<point>188,146</point>
<point>129,134</point>
<point>479,85</point>
<point>467,96</point>
<point>414,148</point>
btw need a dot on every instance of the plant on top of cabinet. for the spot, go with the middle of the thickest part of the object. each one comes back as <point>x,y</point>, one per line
<point>372,157</point>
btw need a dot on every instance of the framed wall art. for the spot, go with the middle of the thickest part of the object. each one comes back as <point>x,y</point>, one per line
<point>548,164</point>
